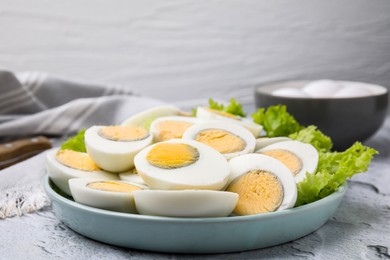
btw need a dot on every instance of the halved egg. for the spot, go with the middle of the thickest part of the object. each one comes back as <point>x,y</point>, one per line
<point>228,138</point>
<point>145,118</point>
<point>182,164</point>
<point>185,203</point>
<point>170,127</point>
<point>263,184</point>
<point>63,165</point>
<point>113,147</point>
<point>103,194</point>
<point>213,114</point>
<point>265,141</point>
<point>300,158</point>
<point>132,176</point>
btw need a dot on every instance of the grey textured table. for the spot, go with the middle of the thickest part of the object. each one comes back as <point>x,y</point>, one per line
<point>360,229</point>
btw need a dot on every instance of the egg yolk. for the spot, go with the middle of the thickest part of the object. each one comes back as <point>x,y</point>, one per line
<point>76,160</point>
<point>170,129</point>
<point>289,159</point>
<point>259,191</point>
<point>221,140</point>
<point>222,113</point>
<point>172,155</point>
<point>112,186</point>
<point>123,133</point>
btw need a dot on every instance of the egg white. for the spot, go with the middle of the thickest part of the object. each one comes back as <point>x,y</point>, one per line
<point>265,141</point>
<point>236,129</point>
<point>185,203</point>
<point>205,114</point>
<point>109,200</point>
<point>243,164</point>
<point>132,177</point>
<point>306,152</point>
<point>144,118</point>
<point>60,174</point>
<point>211,171</point>
<point>113,156</point>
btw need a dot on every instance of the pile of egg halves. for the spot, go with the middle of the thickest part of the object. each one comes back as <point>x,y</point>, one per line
<point>164,162</point>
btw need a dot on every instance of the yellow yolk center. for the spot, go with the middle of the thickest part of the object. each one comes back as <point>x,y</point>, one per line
<point>222,113</point>
<point>259,191</point>
<point>292,162</point>
<point>123,133</point>
<point>112,186</point>
<point>76,160</point>
<point>221,140</point>
<point>171,129</point>
<point>172,155</point>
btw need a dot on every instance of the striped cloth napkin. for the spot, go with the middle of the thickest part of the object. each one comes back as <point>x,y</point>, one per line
<point>33,103</point>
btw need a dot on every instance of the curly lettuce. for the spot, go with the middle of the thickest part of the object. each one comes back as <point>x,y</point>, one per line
<point>276,121</point>
<point>315,137</point>
<point>75,143</point>
<point>234,107</point>
<point>334,168</point>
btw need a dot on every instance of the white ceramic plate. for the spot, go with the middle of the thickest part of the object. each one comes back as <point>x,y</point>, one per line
<point>192,235</point>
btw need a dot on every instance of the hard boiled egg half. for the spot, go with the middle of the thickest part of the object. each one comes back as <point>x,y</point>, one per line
<point>169,127</point>
<point>185,203</point>
<point>182,164</point>
<point>103,194</point>
<point>145,118</point>
<point>113,147</point>
<point>230,139</point>
<point>263,184</point>
<point>206,113</point>
<point>63,165</point>
<point>300,158</point>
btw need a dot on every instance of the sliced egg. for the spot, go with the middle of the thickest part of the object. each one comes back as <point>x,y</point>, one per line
<point>113,147</point>
<point>145,118</point>
<point>182,164</point>
<point>63,165</point>
<point>170,127</point>
<point>103,194</point>
<point>228,138</point>
<point>212,114</point>
<point>299,157</point>
<point>185,203</point>
<point>132,176</point>
<point>265,141</point>
<point>263,184</point>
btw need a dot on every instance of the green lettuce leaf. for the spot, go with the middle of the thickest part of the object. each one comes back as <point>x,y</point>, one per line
<point>215,105</point>
<point>276,121</point>
<point>75,143</point>
<point>233,108</point>
<point>334,168</point>
<point>315,137</point>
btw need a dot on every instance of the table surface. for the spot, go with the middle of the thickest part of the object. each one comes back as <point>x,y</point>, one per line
<point>360,229</point>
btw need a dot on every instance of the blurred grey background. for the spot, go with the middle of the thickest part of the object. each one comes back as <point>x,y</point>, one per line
<point>185,50</point>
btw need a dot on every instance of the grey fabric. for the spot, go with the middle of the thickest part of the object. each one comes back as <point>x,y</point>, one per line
<point>34,103</point>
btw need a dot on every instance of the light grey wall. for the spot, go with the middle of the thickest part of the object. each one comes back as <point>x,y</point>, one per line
<point>176,49</point>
